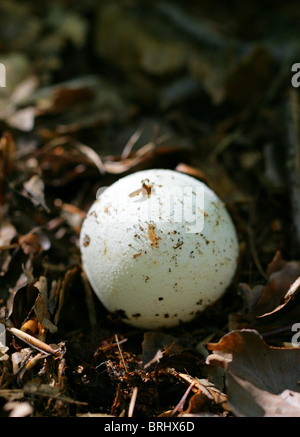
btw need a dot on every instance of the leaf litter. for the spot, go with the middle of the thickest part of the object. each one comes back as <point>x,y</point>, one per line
<point>88,100</point>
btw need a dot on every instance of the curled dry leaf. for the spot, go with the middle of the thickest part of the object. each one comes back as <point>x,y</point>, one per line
<point>34,243</point>
<point>35,188</point>
<point>20,302</point>
<point>72,215</point>
<point>205,392</point>
<point>277,303</point>
<point>181,87</point>
<point>245,354</point>
<point>247,400</point>
<point>282,274</point>
<point>292,293</point>
<point>260,380</point>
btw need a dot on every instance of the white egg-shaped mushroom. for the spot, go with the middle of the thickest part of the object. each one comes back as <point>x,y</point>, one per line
<point>158,247</point>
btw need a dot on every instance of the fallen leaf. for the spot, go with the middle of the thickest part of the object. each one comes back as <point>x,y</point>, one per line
<point>154,345</point>
<point>3,355</point>
<point>41,305</point>
<point>18,409</point>
<point>20,302</point>
<point>22,119</point>
<point>34,243</point>
<point>278,285</point>
<point>7,233</point>
<point>206,392</point>
<point>245,354</point>
<point>247,400</point>
<point>292,293</point>
<point>35,188</point>
<point>275,304</point>
<point>19,359</point>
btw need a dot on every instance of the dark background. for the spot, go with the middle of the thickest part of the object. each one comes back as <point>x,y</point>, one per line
<point>96,90</point>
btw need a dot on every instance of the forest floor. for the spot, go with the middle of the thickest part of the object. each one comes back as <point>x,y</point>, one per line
<point>98,90</point>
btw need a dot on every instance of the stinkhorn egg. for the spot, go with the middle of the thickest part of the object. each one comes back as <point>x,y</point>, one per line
<point>158,246</point>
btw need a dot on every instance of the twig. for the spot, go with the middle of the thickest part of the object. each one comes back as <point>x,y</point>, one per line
<point>29,365</point>
<point>132,401</point>
<point>85,150</point>
<point>131,142</point>
<point>91,155</point>
<point>109,346</point>
<point>181,403</point>
<point>116,401</point>
<point>33,342</point>
<point>121,354</point>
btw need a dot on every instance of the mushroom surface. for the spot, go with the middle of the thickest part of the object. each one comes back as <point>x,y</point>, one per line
<point>158,247</point>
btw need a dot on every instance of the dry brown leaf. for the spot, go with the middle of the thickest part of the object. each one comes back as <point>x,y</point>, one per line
<point>21,301</point>
<point>245,354</point>
<point>154,345</point>
<point>7,233</point>
<point>277,286</point>
<point>34,243</point>
<point>247,400</point>
<point>292,293</point>
<point>22,119</point>
<point>205,392</point>
<point>35,188</point>
<point>41,305</point>
<point>277,303</point>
